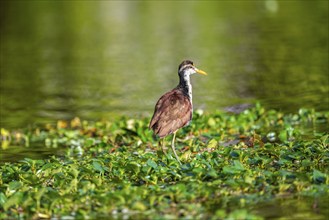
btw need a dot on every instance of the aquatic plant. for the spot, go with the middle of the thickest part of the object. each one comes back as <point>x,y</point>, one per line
<point>235,166</point>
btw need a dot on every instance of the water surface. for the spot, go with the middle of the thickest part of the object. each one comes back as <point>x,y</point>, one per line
<point>99,60</point>
<point>104,59</point>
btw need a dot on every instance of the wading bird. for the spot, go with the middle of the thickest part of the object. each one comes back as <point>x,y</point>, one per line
<point>174,109</point>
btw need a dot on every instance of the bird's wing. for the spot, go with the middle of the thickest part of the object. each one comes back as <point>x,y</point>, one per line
<point>172,111</point>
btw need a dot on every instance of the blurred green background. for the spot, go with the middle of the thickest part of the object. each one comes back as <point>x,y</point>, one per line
<point>102,59</point>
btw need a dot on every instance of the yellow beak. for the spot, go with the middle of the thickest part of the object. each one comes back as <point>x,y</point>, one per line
<point>200,71</point>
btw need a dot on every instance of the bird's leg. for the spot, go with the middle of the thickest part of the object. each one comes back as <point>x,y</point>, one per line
<point>173,147</point>
<point>162,146</point>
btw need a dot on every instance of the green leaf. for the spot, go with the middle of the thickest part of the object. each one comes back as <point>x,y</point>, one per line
<point>3,198</point>
<point>133,166</point>
<point>230,170</point>
<point>14,185</point>
<point>212,143</point>
<point>139,206</point>
<point>238,165</point>
<point>211,122</point>
<point>14,200</point>
<point>98,167</point>
<point>318,177</point>
<point>152,164</point>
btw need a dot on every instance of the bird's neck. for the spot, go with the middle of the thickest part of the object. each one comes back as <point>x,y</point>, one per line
<point>185,85</point>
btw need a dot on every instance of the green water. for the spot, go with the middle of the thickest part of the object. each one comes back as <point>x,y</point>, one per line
<point>98,60</point>
<point>102,59</point>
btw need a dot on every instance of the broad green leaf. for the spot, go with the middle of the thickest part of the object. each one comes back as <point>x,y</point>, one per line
<point>152,164</point>
<point>3,198</point>
<point>97,166</point>
<point>14,185</point>
<point>318,176</point>
<point>212,143</point>
<point>238,165</point>
<point>14,200</point>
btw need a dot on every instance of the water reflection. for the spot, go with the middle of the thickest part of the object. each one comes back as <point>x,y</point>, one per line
<point>302,207</point>
<point>103,59</point>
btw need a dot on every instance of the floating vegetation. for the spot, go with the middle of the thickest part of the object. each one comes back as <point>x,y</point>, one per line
<point>235,166</point>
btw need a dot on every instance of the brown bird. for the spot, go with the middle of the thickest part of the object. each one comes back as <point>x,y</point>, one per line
<point>174,109</point>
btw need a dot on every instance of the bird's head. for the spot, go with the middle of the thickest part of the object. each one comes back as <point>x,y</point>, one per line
<point>187,68</point>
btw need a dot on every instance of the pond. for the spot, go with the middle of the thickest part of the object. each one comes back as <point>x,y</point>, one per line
<point>106,59</point>
<point>99,60</point>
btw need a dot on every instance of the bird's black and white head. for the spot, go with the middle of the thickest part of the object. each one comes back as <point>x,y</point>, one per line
<point>187,68</point>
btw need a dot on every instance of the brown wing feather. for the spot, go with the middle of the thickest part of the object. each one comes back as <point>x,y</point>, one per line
<point>172,111</point>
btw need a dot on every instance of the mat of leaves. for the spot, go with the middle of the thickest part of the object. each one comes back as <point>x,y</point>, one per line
<point>232,165</point>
